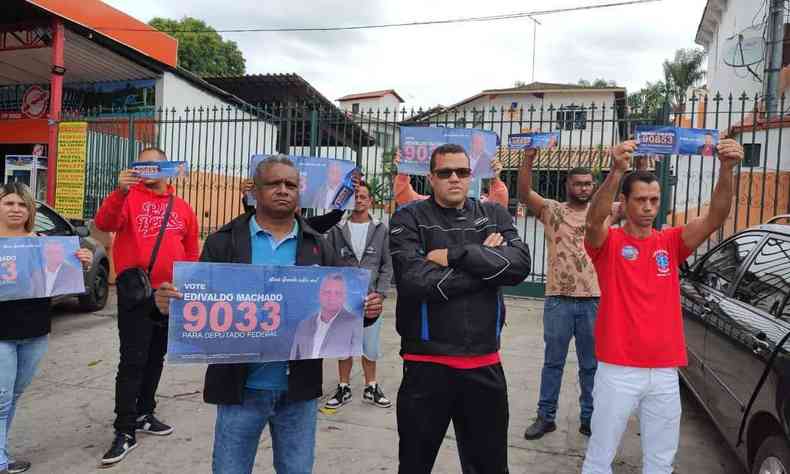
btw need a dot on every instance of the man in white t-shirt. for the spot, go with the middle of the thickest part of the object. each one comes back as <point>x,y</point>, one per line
<point>362,241</point>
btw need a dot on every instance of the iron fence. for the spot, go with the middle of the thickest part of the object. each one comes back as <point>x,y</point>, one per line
<point>218,141</point>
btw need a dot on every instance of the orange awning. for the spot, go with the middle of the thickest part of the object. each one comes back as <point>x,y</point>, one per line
<point>98,16</point>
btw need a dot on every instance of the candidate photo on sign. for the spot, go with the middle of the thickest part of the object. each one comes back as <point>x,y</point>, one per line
<point>60,277</point>
<point>333,331</point>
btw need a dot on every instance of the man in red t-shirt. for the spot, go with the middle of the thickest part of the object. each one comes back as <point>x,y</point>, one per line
<point>639,339</point>
<point>135,212</point>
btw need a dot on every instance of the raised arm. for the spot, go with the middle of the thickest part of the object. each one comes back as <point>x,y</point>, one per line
<point>112,213</point>
<point>700,228</point>
<point>527,195</point>
<point>597,227</point>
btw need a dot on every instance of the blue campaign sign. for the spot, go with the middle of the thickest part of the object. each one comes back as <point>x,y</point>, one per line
<point>697,141</point>
<point>417,144</point>
<point>237,313</point>
<point>324,183</point>
<point>536,140</point>
<point>161,169</point>
<point>655,140</point>
<point>39,267</point>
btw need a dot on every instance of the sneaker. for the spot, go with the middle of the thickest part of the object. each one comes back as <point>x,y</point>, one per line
<point>149,424</point>
<point>539,428</point>
<point>374,395</point>
<point>18,466</point>
<point>121,445</point>
<point>584,428</point>
<point>341,397</point>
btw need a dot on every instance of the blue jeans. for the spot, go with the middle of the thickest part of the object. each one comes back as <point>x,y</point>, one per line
<point>563,318</point>
<point>18,361</point>
<point>238,429</point>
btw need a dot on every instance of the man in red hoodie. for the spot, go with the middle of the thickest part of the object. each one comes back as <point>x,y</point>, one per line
<point>135,212</point>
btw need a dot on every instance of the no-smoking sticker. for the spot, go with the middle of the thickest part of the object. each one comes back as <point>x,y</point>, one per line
<point>35,102</point>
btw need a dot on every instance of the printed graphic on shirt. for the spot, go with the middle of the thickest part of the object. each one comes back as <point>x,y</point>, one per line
<point>150,219</point>
<point>662,262</point>
<point>629,252</point>
<point>570,271</point>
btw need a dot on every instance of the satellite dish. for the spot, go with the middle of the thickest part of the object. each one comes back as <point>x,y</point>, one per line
<point>746,48</point>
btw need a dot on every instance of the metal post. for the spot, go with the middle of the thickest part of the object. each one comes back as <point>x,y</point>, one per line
<point>314,132</point>
<point>663,172</point>
<point>773,63</point>
<point>55,104</point>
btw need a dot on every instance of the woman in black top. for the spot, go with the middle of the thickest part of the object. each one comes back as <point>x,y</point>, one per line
<point>24,324</point>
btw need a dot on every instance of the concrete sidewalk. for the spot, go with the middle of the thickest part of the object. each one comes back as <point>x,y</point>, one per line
<point>64,421</point>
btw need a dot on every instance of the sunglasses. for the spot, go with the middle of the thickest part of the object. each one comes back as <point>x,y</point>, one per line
<point>445,173</point>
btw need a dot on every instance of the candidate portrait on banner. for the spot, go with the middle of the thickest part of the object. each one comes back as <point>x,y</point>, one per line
<point>60,277</point>
<point>333,331</point>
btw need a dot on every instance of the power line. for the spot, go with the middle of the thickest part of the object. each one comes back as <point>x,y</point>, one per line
<point>506,16</point>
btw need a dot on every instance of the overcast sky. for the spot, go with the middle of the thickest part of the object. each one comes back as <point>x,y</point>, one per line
<point>444,64</point>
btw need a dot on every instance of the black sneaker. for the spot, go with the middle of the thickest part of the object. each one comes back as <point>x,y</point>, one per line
<point>341,397</point>
<point>18,466</point>
<point>539,428</point>
<point>375,396</point>
<point>584,428</point>
<point>149,424</point>
<point>121,445</point>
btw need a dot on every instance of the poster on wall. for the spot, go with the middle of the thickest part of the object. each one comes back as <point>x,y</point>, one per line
<point>70,174</point>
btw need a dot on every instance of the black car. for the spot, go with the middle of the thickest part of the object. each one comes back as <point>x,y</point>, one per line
<point>49,222</point>
<point>736,311</point>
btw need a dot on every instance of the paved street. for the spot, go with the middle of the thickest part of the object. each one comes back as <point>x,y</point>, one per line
<point>64,420</point>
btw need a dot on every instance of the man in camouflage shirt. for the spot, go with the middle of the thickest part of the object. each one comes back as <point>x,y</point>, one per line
<point>572,292</point>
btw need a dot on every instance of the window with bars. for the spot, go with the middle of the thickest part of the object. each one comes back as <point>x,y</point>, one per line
<point>571,118</point>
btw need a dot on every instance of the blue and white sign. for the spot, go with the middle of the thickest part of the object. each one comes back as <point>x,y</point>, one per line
<point>160,169</point>
<point>324,183</point>
<point>237,313</point>
<point>660,140</point>
<point>533,140</point>
<point>39,267</point>
<point>417,144</point>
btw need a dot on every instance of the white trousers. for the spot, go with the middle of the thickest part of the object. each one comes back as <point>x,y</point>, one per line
<point>618,392</point>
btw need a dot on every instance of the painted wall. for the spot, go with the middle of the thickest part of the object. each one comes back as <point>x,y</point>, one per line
<point>736,16</point>
<point>387,102</point>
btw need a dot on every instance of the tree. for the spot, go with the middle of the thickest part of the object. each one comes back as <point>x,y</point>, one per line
<point>201,49</point>
<point>683,72</point>
<point>648,104</point>
<point>599,82</point>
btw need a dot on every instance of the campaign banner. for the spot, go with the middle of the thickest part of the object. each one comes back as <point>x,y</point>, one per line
<point>324,183</point>
<point>655,140</point>
<point>697,141</point>
<point>237,313</point>
<point>660,140</point>
<point>39,267</point>
<point>160,169</point>
<point>417,144</point>
<point>533,140</point>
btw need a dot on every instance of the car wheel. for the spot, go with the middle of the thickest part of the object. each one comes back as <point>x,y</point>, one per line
<point>95,297</point>
<point>773,457</point>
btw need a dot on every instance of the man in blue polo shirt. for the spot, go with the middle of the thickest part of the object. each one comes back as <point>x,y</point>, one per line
<point>282,395</point>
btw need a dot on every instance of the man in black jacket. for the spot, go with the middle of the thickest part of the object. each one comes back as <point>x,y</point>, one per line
<point>451,255</point>
<point>281,394</point>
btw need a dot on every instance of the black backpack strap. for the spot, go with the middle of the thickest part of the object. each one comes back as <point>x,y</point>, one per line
<point>160,237</point>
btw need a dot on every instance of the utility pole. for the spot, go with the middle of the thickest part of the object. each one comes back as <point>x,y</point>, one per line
<point>534,44</point>
<point>773,60</point>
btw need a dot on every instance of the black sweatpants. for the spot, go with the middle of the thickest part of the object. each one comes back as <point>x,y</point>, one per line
<point>143,347</point>
<point>431,395</point>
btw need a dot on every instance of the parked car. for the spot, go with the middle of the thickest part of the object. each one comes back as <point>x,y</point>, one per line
<point>49,222</point>
<point>736,310</point>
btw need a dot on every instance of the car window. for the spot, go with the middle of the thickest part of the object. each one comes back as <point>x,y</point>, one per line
<point>721,266</point>
<point>49,223</point>
<point>766,283</point>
